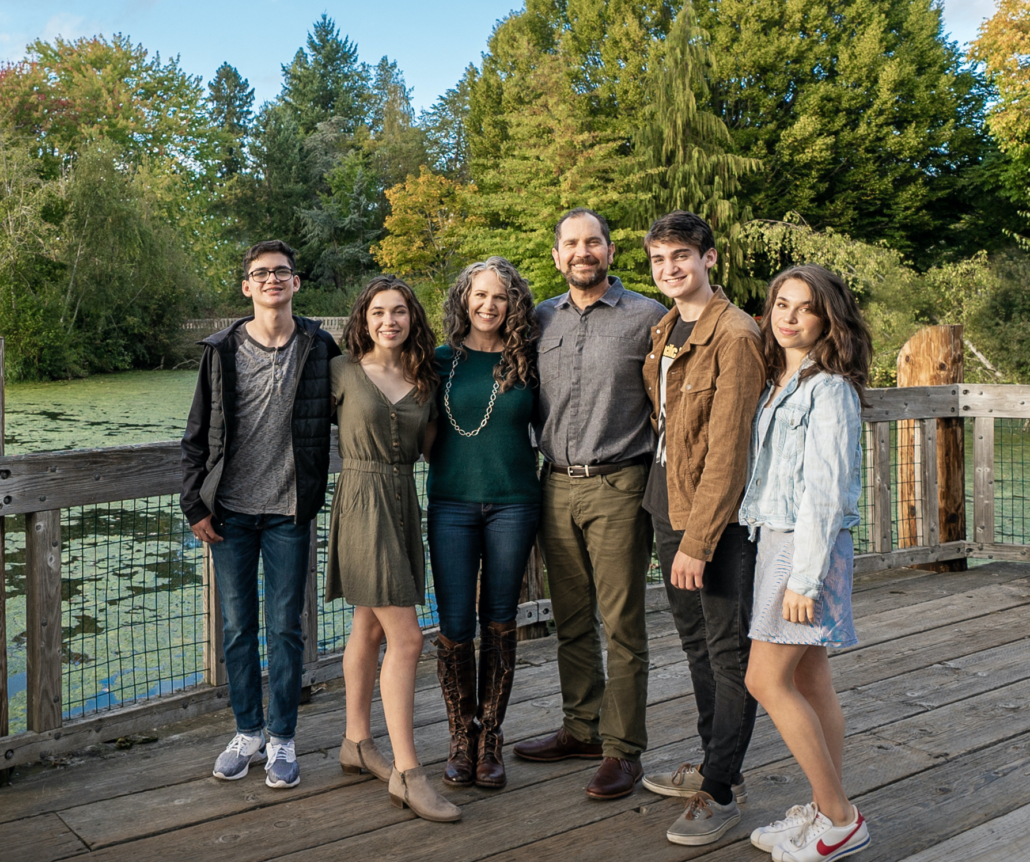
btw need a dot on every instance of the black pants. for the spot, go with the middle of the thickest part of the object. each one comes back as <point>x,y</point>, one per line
<point>713,623</point>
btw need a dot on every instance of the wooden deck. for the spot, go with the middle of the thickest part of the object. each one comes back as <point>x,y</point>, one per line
<point>937,756</point>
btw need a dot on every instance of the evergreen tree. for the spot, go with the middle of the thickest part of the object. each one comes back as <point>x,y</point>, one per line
<point>326,80</point>
<point>443,124</point>
<point>684,148</point>
<point>231,103</point>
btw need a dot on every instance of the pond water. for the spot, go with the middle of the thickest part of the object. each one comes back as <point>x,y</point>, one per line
<point>106,410</point>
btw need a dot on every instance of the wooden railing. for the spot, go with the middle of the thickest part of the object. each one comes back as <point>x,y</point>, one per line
<point>205,326</point>
<point>39,486</point>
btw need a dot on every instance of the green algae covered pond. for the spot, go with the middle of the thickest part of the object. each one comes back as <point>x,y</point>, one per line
<point>106,410</point>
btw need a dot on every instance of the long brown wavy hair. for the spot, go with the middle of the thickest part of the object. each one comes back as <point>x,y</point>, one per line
<point>417,351</point>
<point>519,331</point>
<point>844,347</point>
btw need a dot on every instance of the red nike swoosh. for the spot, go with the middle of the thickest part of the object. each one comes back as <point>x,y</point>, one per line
<point>826,850</point>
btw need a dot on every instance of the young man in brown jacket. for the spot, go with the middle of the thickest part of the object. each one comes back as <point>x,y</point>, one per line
<point>704,375</point>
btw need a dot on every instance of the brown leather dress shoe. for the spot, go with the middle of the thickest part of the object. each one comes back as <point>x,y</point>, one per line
<point>615,778</point>
<point>558,746</point>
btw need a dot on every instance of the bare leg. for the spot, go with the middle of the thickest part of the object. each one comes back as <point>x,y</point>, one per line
<point>360,663</point>
<point>814,681</point>
<point>397,680</point>
<point>771,679</point>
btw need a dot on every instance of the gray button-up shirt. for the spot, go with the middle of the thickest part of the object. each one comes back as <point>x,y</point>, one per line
<point>593,405</point>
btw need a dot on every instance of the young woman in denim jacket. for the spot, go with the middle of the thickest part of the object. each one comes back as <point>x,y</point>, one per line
<point>801,501</point>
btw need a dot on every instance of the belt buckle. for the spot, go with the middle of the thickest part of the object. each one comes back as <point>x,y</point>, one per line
<point>584,467</point>
<point>569,472</point>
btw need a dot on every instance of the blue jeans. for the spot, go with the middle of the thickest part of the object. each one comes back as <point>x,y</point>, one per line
<point>284,546</point>
<point>463,535</point>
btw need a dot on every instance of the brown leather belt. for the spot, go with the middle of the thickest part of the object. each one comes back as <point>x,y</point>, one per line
<point>585,471</point>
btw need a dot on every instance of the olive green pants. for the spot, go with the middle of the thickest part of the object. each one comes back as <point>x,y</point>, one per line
<point>596,543</point>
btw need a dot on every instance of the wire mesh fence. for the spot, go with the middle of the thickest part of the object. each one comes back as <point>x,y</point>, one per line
<point>132,594</point>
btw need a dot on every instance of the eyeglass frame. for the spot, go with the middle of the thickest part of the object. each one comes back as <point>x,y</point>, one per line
<point>272,274</point>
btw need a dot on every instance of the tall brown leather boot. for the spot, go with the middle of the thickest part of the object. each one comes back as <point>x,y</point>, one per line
<point>496,672</point>
<point>456,669</point>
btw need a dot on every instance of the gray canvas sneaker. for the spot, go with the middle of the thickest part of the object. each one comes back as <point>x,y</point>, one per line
<point>703,821</point>
<point>282,769</point>
<point>244,750</point>
<point>686,781</point>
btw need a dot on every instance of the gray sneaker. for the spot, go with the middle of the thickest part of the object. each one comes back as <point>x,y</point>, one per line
<point>686,781</point>
<point>282,769</point>
<point>703,821</point>
<point>234,762</point>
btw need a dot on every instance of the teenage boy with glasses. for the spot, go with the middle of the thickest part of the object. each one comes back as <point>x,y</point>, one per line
<point>255,463</point>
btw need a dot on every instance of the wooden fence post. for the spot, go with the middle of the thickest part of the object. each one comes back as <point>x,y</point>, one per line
<point>214,632</point>
<point>532,591</point>
<point>43,619</point>
<point>932,357</point>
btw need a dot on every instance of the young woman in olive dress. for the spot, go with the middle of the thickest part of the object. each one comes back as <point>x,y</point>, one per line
<point>383,389</point>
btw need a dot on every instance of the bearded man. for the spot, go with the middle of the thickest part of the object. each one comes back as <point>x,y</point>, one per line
<point>595,432</point>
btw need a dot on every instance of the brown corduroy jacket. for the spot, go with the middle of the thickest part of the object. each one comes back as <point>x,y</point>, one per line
<point>712,392</point>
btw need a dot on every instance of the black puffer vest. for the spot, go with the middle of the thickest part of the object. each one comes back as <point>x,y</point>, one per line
<point>212,421</point>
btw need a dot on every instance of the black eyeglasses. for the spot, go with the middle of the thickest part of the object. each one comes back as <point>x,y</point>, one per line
<point>262,275</point>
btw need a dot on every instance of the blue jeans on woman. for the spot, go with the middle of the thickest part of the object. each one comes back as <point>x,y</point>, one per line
<point>283,546</point>
<point>461,537</point>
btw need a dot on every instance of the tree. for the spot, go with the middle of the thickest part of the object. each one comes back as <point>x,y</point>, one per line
<point>70,92</point>
<point>863,115</point>
<point>396,144</point>
<point>264,202</point>
<point>1003,46</point>
<point>684,146</point>
<point>423,227</point>
<point>326,80</point>
<point>338,232</point>
<point>443,124</point>
<point>231,103</point>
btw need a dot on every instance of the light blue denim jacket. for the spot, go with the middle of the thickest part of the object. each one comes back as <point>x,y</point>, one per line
<point>805,473</point>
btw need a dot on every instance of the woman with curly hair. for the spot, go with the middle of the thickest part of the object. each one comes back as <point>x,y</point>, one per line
<point>383,390</point>
<point>484,505</point>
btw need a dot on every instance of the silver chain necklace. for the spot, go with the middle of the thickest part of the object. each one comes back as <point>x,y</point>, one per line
<point>447,401</point>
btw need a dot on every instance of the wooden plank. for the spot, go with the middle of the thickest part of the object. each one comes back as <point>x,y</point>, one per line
<point>43,619</point>
<point>998,400</point>
<point>998,551</point>
<point>911,402</point>
<point>983,479</point>
<point>904,557</point>
<point>61,480</point>
<point>1005,837</point>
<point>930,489</point>
<point>880,461</point>
<point>39,839</point>
<point>886,658</point>
<point>214,632</point>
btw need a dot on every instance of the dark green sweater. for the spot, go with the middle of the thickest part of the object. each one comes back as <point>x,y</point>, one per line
<point>498,465</point>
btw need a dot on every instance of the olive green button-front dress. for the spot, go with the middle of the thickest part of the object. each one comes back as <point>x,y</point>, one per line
<point>376,556</point>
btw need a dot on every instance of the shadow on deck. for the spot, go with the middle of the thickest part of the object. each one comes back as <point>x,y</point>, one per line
<point>937,756</point>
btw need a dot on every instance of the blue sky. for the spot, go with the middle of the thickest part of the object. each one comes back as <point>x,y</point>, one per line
<point>432,42</point>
